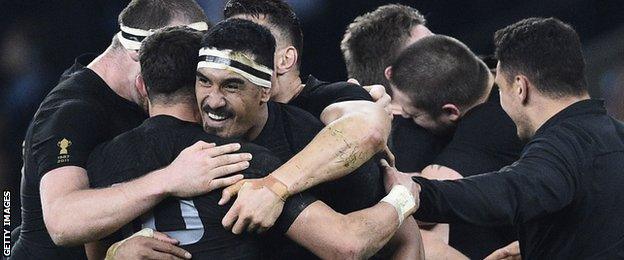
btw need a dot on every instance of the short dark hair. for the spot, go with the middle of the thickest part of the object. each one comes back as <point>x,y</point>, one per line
<point>168,64</point>
<point>154,14</point>
<point>242,36</point>
<point>545,50</point>
<point>277,12</point>
<point>438,70</point>
<point>374,39</point>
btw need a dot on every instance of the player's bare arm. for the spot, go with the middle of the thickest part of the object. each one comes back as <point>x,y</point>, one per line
<point>407,243</point>
<point>332,235</point>
<point>337,150</point>
<point>96,213</point>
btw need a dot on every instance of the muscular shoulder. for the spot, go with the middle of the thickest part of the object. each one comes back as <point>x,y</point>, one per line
<point>296,115</point>
<point>339,91</point>
<point>317,95</point>
<point>150,146</point>
<point>125,157</point>
<point>485,140</point>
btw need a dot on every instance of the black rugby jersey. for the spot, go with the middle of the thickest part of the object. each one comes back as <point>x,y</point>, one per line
<point>195,222</point>
<point>318,95</point>
<point>564,194</point>
<point>287,131</point>
<point>79,113</point>
<point>485,140</point>
<point>414,147</point>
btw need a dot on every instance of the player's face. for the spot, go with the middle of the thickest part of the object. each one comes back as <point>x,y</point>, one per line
<point>511,104</point>
<point>419,116</point>
<point>230,105</point>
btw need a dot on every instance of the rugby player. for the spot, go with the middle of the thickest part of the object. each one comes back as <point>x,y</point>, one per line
<point>371,42</point>
<point>442,87</point>
<point>344,107</point>
<point>168,60</point>
<point>231,109</point>
<point>564,193</point>
<point>314,96</point>
<point>90,105</point>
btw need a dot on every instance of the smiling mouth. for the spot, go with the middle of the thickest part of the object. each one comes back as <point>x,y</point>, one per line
<point>216,117</point>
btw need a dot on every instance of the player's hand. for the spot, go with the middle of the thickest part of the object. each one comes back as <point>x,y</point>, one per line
<point>199,168</point>
<point>256,209</point>
<point>389,156</point>
<point>160,246</point>
<point>509,252</point>
<point>439,172</point>
<point>378,93</point>
<point>394,177</point>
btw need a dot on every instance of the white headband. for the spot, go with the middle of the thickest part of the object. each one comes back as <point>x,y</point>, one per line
<point>131,38</point>
<point>237,62</point>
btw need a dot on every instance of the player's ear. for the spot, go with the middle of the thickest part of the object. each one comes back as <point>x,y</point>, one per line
<point>451,112</point>
<point>286,60</point>
<point>388,72</point>
<point>266,94</point>
<point>140,86</point>
<point>522,85</point>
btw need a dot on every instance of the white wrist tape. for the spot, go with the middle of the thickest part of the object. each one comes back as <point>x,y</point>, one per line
<point>112,250</point>
<point>402,200</point>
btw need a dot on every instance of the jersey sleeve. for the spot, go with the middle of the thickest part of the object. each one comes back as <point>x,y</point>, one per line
<point>292,208</point>
<point>67,136</point>
<point>320,97</point>
<point>543,181</point>
<point>107,165</point>
<point>342,91</point>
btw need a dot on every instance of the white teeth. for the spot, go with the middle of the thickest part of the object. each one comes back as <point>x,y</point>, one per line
<point>215,117</point>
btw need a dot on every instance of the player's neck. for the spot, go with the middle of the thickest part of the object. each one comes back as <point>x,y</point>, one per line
<point>545,108</point>
<point>183,111</point>
<point>484,97</point>
<point>289,87</point>
<point>115,67</point>
<point>255,131</point>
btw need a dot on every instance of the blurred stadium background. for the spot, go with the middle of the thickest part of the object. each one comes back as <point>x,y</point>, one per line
<point>40,39</point>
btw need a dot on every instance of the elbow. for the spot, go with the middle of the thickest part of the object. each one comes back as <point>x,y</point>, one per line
<point>380,124</point>
<point>378,127</point>
<point>58,234</point>
<point>378,138</point>
<point>59,231</point>
<point>350,249</point>
<point>347,241</point>
<point>351,245</point>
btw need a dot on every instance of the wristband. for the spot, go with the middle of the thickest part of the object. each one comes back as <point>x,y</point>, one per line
<point>276,186</point>
<point>110,253</point>
<point>402,200</point>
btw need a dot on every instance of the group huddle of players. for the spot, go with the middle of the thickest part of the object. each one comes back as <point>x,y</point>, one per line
<point>190,140</point>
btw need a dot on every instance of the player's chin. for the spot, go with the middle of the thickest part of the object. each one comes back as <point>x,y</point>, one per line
<point>222,129</point>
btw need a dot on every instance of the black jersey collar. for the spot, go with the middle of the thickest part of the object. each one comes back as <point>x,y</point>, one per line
<point>493,99</point>
<point>267,132</point>
<point>583,107</point>
<point>168,120</point>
